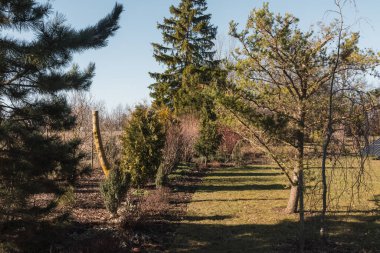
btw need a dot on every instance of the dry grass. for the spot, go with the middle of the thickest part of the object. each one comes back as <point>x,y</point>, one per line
<point>240,210</point>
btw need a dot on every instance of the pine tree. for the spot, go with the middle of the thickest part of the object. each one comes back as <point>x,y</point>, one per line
<point>188,55</point>
<point>281,85</point>
<point>34,77</point>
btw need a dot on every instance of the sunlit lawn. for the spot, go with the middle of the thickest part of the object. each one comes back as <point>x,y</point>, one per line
<point>240,210</point>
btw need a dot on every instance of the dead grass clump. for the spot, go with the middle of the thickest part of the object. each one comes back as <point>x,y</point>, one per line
<point>156,203</point>
<point>189,124</point>
<point>146,207</point>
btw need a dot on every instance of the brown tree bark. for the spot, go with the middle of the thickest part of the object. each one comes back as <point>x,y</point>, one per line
<point>99,144</point>
<point>299,173</point>
<point>293,197</point>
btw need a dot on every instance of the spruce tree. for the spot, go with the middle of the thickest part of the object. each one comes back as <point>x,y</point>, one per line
<point>34,76</point>
<point>187,53</point>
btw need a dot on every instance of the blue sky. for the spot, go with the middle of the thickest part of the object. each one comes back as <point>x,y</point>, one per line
<point>122,67</point>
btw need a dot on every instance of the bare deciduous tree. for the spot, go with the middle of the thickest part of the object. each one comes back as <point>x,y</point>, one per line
<point>171,153</point>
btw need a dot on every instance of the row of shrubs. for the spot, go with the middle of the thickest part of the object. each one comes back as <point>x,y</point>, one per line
<point>153,143</point>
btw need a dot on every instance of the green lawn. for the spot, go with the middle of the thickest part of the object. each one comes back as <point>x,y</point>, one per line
<point>240,210</point>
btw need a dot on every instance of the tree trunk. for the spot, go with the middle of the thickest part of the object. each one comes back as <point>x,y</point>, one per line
<point>327,140</point>
<point>301,213</point>
<point>323,231</point>
<point>99,144</point>
<point>330,130</point>
<point>293,200</point>
<point>161,177</point>
<point>299,173</point>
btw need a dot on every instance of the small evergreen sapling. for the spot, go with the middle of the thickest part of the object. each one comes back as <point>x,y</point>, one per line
<point>114,188</point>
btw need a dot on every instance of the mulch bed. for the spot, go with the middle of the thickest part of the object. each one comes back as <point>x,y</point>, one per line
<point>157,231</point>
<point>86,226</point>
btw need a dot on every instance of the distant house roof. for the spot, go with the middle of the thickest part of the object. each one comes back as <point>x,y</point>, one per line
<point>373,149</point>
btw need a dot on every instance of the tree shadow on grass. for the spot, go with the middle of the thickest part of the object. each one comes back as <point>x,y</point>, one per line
<point>345,236</point>
<point>227,200</point>
<point>255,167</point>
<point>245,187</point>
<point>235,180</point>
<point>376,200</point>
<point>351,232</point>
<point>354,232</point>
<point>245,174</point>
<point>197,238</point>
<point>219,181</point>
<point>215,188</point>
<point>237,200</point>
<point>204,218</point>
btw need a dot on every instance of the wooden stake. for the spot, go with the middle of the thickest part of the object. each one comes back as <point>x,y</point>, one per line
<point>99,144</point>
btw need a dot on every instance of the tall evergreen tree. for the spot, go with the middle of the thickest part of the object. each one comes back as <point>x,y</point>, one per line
<point>34,77</point>
<point>188,55</point>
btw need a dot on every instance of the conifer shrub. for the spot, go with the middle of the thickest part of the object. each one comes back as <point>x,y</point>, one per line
<point>143,141</point>
<point>114,188</point>
<point>67,199</point>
